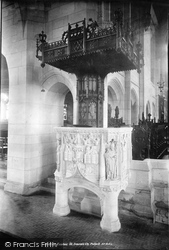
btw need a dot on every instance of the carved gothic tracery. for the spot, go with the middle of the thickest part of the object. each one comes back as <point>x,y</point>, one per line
<point>106,46</point>
<point>90,94</point>
<point>88,150</point>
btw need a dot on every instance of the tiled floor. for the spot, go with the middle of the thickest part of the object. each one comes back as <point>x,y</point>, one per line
<point>32,219</point>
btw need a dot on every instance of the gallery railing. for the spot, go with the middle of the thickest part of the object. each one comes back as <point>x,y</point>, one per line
<point>81,39</point>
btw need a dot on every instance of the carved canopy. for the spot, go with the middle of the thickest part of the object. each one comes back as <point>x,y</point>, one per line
<point>91,50</point>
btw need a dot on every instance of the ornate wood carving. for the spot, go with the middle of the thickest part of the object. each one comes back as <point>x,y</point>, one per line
<point>90,94</point>
<point>92,49</point>
<point>150,139</point>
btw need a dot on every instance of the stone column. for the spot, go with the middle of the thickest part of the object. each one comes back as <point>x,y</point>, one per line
<point>145,77</point>
<point>110,220</point>
<point>127,107</point>
<point>141,93</point>
<point>30,158</point>
<point>105,105</point>
<point>24,162</point>
<point>61,206</point>
<point>75,112</point>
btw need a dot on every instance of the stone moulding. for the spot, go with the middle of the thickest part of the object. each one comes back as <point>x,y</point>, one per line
<point>97,159</point>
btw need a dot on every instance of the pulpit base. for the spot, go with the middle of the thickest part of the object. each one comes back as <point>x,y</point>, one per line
<point>111,226</point>
<point>61,211</point>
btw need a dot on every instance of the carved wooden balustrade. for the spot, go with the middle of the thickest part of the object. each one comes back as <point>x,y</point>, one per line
<point>97,159</point>
<point>86,49</point>
<point>150,140</point>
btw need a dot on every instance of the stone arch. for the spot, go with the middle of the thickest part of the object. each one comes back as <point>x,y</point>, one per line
<point>148,109</point>
<point>90,196</point>
<point>83,184</point>
<point>4,75</point>
<point>134,107</point>
<point>51,80</point>
<point>85,199</point>
<point>56,87</point>
<point>4,89</point>
<point>4,104</point>
<point>115,95</point>
<point>68,109</point>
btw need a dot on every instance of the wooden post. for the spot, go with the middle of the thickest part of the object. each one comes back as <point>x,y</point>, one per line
<point>69,28</point>
<point>84,35</point>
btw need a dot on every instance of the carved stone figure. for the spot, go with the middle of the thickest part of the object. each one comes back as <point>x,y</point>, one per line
<point>95,158</point>
<point>58,153</point>
<point>91,155</point>
<point>78,154</point>
<point>68,154</point>
<point>87,155</point>
<point>110,161</point>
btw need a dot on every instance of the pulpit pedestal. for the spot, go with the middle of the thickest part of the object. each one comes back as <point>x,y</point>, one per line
<point>61,207</point>
<point>110,220</point>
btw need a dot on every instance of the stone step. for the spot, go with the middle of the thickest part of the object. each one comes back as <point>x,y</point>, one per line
<point>48,187</point>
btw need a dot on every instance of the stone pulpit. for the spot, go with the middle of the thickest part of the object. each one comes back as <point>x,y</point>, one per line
<point>97,159</point>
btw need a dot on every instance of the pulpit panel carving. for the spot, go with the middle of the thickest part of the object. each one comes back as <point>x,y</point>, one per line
<point>95,153</point>
<point>78,151</point>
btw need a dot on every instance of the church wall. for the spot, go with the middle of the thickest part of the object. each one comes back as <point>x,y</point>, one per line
<point>63,13</point>
<point>31,144</point>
